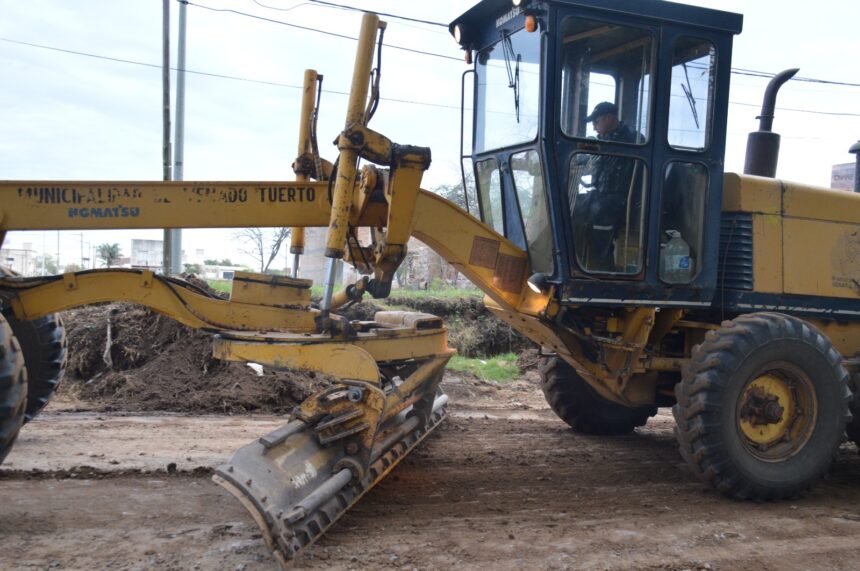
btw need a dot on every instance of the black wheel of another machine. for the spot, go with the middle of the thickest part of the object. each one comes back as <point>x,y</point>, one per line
<point>853,428</point>
<point>576,403</point>
<point>762,406</point>
<point>13,388</point>
<point>43,342</point>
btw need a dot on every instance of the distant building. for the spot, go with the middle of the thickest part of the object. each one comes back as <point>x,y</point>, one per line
<point>21,260</point>
<point>220,272</point>
<point>313,264</point>
<point>842,176</point>
<point>147,254</point>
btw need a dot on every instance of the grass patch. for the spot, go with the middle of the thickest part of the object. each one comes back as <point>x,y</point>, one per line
<point>223,286</point>
<point>500,368</point>
<point>446,293</point>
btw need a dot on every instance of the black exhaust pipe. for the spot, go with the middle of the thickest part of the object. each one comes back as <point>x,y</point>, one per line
<point>763,145</point>
<point>855,149</point>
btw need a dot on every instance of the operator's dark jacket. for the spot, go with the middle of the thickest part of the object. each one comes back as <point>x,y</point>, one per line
<point>611,175</point>
<point>607,202</point>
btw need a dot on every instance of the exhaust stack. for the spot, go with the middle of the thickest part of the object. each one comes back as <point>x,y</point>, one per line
<point>855,150</point>
<point>763,145</point>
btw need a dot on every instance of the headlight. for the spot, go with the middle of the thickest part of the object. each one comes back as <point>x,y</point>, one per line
<point>458,34</point>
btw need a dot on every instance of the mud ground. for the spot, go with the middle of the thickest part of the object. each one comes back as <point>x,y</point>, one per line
<point>502,485</point>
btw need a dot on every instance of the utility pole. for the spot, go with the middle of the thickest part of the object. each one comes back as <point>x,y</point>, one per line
<point>165,82</point>
<point>179,149</point>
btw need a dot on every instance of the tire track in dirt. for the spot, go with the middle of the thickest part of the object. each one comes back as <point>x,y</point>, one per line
<point>515,490</point>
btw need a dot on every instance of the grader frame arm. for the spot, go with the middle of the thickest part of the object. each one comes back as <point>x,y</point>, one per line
<point>299,479</point>
<point>340,442</point>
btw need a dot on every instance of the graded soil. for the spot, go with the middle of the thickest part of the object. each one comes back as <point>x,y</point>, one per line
<point>502,484</point>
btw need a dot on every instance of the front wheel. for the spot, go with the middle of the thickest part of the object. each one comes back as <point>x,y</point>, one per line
<point>762,406</point>
<point>578,405</point>
<point>13,388</point>
<point>43,344</point>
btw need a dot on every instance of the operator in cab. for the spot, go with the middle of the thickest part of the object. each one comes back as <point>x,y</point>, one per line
<point>611,187</point>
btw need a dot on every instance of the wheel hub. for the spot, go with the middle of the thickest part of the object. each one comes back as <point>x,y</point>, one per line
<point>761,407</point>
<point>775,414</point>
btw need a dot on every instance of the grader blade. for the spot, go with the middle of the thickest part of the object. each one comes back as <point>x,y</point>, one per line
<point>296,488</point>
<point>298,480</point>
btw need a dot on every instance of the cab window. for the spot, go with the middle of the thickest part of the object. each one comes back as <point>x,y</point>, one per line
<point>604,62</point>
<point>531,195</point>
<point>606,194</point>
<point>490,192</point>
<point>692,95</point>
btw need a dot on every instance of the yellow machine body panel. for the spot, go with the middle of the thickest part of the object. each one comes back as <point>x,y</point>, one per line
<point>806,240</point>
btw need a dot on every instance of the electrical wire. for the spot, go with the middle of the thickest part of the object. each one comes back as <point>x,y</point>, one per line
<point>351,8</point>
<point>217,75</point>
<point>310,29</point>
<point>391,99</point>
<point>385,14</point>
<point>734,70</point>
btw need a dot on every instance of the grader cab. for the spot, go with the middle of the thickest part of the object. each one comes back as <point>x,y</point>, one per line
<point>648,276</point>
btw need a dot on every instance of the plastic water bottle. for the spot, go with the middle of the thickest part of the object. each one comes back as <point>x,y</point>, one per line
<point>676,264</point>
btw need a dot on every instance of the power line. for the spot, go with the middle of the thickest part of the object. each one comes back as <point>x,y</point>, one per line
<point>309,29</point>
<point>834,113</point>
<point>215,75</point>
<point>354,9</point>
<point>387,15</point>
<point>333,92</point>
<point>754,73</point>
<point>734,70</point>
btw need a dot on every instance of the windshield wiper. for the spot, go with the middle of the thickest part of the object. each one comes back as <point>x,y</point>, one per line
<point>688,93</point>
<point>513,70</point>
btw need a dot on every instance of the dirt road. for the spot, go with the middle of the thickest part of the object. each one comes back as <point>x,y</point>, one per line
<point>502,485</point>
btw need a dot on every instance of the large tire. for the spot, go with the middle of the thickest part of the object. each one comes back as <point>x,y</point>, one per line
<point>576,403</point>
<point>13,388</point>
<point>43,342</point>
<point>762,406</point>
<point>853,428</point>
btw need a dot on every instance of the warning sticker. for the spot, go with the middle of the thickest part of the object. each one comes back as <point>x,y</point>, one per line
<point>509,273</point>
<point>846,262</point>
<point>484,252</point>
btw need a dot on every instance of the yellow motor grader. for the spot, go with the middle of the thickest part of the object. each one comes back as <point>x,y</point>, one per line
<point>648,275</point>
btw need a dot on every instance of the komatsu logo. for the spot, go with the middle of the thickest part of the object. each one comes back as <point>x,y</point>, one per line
<point>502,20</point>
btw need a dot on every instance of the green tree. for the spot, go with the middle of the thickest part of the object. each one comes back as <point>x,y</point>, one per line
<point>193,269</point>
<point>50,264</point>
<point>109,253</point>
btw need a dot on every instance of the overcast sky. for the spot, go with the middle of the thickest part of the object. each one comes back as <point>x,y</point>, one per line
<point>70,116</point>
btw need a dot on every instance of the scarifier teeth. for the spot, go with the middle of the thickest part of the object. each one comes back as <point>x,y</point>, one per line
<point>289,482</point>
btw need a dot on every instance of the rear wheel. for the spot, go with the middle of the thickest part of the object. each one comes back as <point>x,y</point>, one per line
<point>762,406</point>
<point>13,388</point>
<point>43,343</point>
<point>853,428</point>
<point>576,403</point>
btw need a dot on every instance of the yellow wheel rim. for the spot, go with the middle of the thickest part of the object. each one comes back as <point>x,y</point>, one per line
<point>776,412</point>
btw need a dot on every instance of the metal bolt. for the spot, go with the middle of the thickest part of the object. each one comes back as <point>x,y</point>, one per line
<point>355,395</point>
<point>772,411</point>
<point>351,448</point>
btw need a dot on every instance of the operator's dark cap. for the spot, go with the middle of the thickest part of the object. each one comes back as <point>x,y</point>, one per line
<point>601,109</point>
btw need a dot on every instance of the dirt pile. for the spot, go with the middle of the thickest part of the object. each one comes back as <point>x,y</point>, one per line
<point>123,357</point>
<point>473,330</point>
